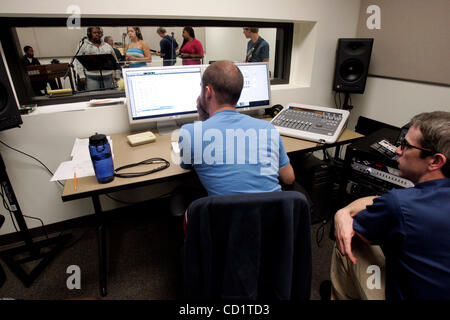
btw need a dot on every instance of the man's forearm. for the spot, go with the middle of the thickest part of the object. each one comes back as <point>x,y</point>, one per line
<point>359,205</point>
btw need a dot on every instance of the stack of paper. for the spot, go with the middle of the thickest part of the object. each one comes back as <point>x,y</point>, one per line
<point>81,163</point>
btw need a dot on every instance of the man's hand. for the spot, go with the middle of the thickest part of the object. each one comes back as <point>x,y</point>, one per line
<point>202,114</point>
<point>343,224</point>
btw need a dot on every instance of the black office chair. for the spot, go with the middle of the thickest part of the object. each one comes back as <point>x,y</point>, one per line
<point>248,246</point>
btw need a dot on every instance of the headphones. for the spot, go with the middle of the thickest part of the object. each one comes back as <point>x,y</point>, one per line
<point>138,32</point>
<point>89,32</point>
<point>274,110</point>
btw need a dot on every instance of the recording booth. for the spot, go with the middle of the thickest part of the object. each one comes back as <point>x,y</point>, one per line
<point>46,72</point>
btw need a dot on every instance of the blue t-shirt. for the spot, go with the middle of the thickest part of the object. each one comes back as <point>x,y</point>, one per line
<point>261,52</point>
<point>413,227</point>
<point>168,46</point>
<point>233,153</point>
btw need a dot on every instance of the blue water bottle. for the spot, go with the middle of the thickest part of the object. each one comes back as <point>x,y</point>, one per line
<point>101,157</point>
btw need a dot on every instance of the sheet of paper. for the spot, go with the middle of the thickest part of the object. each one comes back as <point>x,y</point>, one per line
<point>81,162</point>
<point>80,149</point>
<point>67,169</point>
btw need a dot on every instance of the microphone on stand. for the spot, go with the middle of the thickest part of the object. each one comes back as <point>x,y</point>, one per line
<point>73,58</point>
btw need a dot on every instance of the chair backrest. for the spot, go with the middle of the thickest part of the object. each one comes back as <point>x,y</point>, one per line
<point>248,246</point>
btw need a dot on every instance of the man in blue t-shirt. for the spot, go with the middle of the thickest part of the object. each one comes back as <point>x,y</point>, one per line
<point>232,152</point>
<point>168,46</point>
<point>257,47</point>
<point>411,225</point>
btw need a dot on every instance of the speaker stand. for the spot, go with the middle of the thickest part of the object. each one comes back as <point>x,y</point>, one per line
<point>44,250</point>
<point>346,106</point>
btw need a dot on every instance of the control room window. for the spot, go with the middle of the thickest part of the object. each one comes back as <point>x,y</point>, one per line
<point>46,71</point>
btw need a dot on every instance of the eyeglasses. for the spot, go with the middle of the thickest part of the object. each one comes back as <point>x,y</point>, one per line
<point>405,144</point>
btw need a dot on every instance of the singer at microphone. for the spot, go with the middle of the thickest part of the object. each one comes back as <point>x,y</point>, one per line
<point>168,46</point>
<point>92,79</point>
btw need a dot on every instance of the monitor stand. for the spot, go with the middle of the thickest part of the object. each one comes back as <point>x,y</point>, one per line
<point>166,127</point>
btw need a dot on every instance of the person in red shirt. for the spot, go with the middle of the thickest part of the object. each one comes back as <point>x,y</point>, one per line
<point>191,50</point>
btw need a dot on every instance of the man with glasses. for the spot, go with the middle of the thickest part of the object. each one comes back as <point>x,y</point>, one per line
<point>402,245</point>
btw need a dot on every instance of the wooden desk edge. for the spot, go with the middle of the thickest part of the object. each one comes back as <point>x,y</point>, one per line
<point>347,136</point>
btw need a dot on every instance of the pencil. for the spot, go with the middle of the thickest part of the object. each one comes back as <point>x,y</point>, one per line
<point>75,180</point>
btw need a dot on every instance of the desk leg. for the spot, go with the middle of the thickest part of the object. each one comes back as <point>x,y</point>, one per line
<point>336,152</point>
<point>101,245</point>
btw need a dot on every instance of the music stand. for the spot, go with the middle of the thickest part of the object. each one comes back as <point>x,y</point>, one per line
<point>98,62</point>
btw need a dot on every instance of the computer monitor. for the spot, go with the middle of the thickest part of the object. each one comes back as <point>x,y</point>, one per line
<point>256,92</point>
<point>162,94</point>
<point>165,94</point>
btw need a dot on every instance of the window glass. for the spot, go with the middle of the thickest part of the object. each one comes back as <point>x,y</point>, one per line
<point>57,61</point>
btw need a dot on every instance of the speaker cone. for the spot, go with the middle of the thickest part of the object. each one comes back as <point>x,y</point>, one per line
<point>355,47</point>
<point>351,70</point>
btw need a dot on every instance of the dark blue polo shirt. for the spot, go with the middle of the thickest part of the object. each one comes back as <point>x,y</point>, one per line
<point>168,45</point>
<point>413,227</point>
<point>257,51</point>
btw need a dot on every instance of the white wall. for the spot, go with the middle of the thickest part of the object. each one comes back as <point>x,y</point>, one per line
<point>225,43</point>
<point>396,102</point>
<point>318,24</point>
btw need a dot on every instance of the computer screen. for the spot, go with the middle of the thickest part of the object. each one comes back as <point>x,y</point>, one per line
<point>256,91</point>
<point>161,93</point>
<point>158,94</point>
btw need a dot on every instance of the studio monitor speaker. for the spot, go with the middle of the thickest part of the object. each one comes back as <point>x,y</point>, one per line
<point>9,112</point>
<point>352,64</point>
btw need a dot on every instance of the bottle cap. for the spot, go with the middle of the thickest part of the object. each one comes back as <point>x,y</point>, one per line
<point>97,140</point>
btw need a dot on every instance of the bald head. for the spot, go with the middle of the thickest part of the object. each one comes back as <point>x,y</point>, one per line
<point>227,81</point>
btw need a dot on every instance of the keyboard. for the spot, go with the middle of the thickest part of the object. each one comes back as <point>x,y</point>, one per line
<point>314,123</point>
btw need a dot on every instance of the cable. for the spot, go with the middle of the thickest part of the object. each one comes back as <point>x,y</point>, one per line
<point>34,158</point>
<point>42,223</point>
<point>140,174</point>
<point>6,205</point>
<point>320,232</point>
<point>28,156</point>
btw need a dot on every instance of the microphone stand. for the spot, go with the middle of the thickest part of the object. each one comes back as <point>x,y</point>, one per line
<point>73,58</point>
<point>173,59</point>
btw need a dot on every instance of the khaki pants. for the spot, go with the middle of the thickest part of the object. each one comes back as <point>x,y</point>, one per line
<point>363,281</point>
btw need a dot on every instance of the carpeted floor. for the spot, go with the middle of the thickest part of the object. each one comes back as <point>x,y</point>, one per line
<point>142,262</point>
